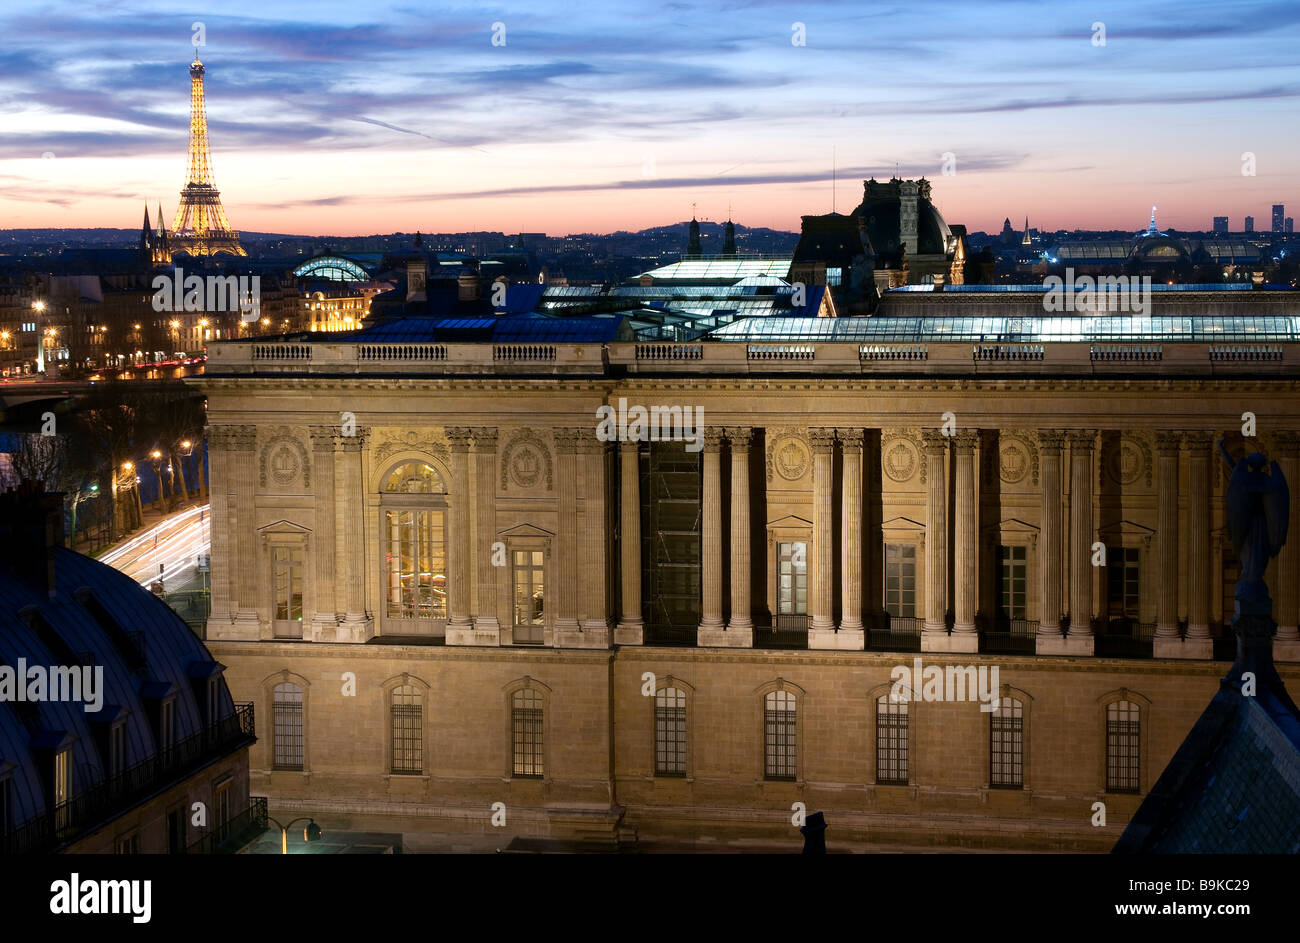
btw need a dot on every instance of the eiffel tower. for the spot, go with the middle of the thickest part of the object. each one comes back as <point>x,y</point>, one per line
<point>201,227</point>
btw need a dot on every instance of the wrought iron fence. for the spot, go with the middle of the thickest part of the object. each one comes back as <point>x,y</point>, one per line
<point>238,831</point>
<point>68,819</point>
<point>787,630</point>
<point>1125,638</point>
<point>1010,637</point>
<point>902,635</point>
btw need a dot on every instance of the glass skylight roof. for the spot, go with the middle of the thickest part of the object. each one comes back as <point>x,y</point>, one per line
<point>721,268</point>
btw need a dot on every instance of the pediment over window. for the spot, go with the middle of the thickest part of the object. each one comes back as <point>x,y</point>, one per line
<point>790,521</point>
<point>284,529</point>
<point>525,530</point>
<point>1125,529</point>
<point>902,523</point>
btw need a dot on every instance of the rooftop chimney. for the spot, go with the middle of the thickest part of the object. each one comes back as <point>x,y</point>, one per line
<point>31,527</point>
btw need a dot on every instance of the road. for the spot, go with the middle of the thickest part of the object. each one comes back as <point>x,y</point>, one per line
<point>175,542</point>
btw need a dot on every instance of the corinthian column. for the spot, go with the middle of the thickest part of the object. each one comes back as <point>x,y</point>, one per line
<point>325,617</point>
<point>460,631</point>
<point>821,628</point>
<point>1286,606</point>
<point>711,624</point>
<point>630,623</point>
<point>1050,569</point>
<point>226,450</point>
<point>566,565</point>
<point>934,632</point>
<point>1082,535</point>
<point>740,628</point>
<point>1167,445</point>
<point>1198,643</point>
<point>851,634</point>
<point>966,532</point>
<point>487,626</point>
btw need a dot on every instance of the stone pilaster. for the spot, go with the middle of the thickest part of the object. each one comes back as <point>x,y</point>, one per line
<point>965,536</point>
<point>1198,644</point>
<point>568,633</point>
<point>1167,644</point>
<point>1082,535</point>
<point>356,625</point>
<point>229,448</point>
<point>629,630</point>
<point>487,624</point>
<point>934,632</point>
<point>1286,604</point>
<point>460,630</point>
<point>851,634</point>
<point>594,457</point>
<point>711,538</point>
<point>243,567</point>
<point>821,627</point>
<point>741,566</point>
<point>1050,567</point>
<point>325,618</point>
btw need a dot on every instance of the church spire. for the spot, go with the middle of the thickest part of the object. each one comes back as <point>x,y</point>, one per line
<point>693,248</point>
<point>729,241</point>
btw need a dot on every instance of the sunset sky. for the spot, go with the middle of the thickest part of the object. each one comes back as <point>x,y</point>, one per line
<point>350,118</point>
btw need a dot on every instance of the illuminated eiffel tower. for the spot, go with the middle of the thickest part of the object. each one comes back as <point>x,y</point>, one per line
<point>201,227</point>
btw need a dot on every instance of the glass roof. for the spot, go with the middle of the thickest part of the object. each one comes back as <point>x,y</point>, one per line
<point>722,268</point>
<point>1020,330</point>
<point>1039,287</point>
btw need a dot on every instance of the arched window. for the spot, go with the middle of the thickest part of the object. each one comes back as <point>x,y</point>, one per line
<point>780,730</point>
<point>526,733</point>
<point>287,736</point>
<point>892,740</point>
<point>406,714</point>
<point>414,525</point>
<point>1007,745</point>
<point>1123,746</point>
<point>670,732</point>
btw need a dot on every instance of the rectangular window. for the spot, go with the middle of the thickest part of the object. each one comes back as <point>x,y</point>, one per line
<point>62,790</point>
<point>792,579</point>
<point>1123,747</point>
<point>176,832</point>
<point>529,587</point>
<point>1006,745</point>
<point>221,800</point>
<point>900,580</point>
<point>1012,572</point>
<point>167,724</point>
<point>526,733</point>
<point>407,731</point>
<point>286,563</point>
<point>287,723</point>
<point>128,844</point>
<point>1123,584</point>
<point>779,736</point>
<point>891,742</point>
<point>117,749</point>
<point>670,732</point>
<point>416,564</point>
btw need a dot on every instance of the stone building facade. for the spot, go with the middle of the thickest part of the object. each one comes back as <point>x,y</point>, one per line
<point>444,591</point>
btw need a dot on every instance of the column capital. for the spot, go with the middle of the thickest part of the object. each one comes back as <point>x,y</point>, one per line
<point>1196,439</point>
<point>713,436</point>
<point>1287,442</point>
<point>570,439</point>
<point>822,440</point>
<point>458,436</point>
<point>740,437</point>
<point>934,440</point>
<point>966,440</point>
<point>1168,441</point>
<point>629,447</point>
<point>851,438</point>
<point>323,438</point>
<point>592,446</point>
<point>355,442</point>
<point>1081,438</point>
<point>1051,439</point>
<point>484,438</point>
<point>233,438</point>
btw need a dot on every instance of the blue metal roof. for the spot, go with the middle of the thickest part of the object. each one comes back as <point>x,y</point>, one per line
<point>528,327</point>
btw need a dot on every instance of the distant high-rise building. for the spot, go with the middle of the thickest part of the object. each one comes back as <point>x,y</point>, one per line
<point>1289,225</point>
<point>729,242</point>
<point>1250,224</point>
<point>1220,224</point>
<point>1279,214</point>
<point>1008,234</point>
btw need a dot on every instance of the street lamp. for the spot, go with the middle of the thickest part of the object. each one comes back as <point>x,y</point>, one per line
<point>310,832</point>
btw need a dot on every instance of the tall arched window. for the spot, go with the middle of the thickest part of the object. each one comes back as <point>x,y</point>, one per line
<point>526,733</point>
<point>287,736</point>
<point>1123,746</point>
<point>670,732</point>
<point>414,524</point>
<point>780,729</point>
<point>406,712</point>
<point>1007,745</point>
<point>892,741</point>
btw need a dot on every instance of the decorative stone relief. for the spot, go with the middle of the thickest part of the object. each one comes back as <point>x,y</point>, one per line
<point>901,456</point>
<point>1128,460</point>
<point>526,462</point>
<point>787,455</point>
<point>282,459</point>
<point>427,441</point>
<point>1017,458</point>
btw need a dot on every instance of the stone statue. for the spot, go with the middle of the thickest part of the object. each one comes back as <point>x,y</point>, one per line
<point>1257,508</point>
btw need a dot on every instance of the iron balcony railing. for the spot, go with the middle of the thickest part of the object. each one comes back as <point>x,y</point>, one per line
<point>788,630</point>
<point>1124,638</point>
<point>1010,636</point>
<point>68,820</point>
<point>903,634</point>
<point>228,837</point>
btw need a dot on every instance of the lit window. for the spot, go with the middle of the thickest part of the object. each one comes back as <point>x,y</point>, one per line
<point>1013,582</point>
<point>792,579</point>
<point>900,580</point>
